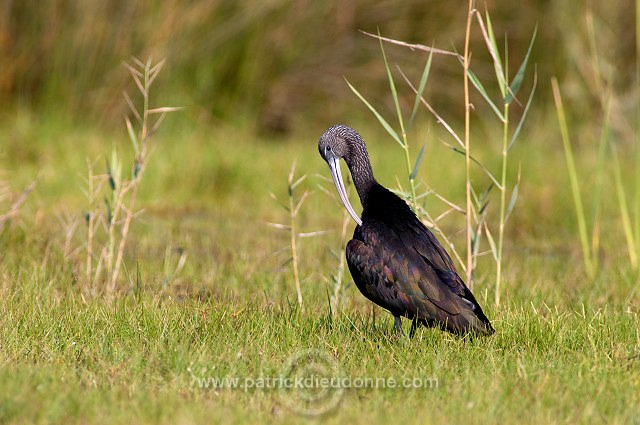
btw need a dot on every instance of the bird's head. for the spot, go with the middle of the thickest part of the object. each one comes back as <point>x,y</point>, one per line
<point>336,142</point>
<point>339,142</point>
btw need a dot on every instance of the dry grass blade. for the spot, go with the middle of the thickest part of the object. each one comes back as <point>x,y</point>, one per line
<point>312,234</point>
<point>293,170</point>
<point>136,77</point>
<point>157,124</point>
<point>412,46</point>
<point>329,193</point>
<point>444,214</point>
<point>446,201</point>
<point>433,112</point>
<point>277,225</point>
<point>137,62</point>
<point>69,224</point>
<point>132,135</point>
<point>165,109</point>
<point>14,209</point>
<point>132,70</point>
<point>157,67</point>
<point>155,71</point>
<point>132,106</point>
<point>296,210</point>
<point>297,182</point>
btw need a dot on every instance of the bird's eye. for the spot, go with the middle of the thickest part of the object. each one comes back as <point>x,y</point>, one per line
<point>328,148</point>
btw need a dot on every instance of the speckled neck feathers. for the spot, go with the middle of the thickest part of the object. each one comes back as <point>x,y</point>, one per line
<point>357,160</point>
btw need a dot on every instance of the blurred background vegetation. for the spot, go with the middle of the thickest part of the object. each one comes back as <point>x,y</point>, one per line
<point>250,73</point>
<point>279,66</point>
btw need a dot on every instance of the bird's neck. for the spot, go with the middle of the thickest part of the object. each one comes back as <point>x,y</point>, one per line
<point>361,172</point>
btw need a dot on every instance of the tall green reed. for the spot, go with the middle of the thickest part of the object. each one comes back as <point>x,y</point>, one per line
<point>602,89</point>
<point>476,202</point>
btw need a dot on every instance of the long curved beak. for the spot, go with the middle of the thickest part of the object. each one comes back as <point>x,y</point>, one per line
<point>336,174</point>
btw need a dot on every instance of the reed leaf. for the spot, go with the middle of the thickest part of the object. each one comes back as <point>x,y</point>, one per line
<point>382,121</point>
<point>517,80</point>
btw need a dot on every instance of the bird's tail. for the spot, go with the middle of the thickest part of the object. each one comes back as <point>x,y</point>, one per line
<point>476,322</point>
<point>473,316</point>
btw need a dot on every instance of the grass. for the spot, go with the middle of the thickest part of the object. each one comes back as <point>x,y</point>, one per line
<point>609,162</point>
<point>80,360</point>
<point>565,351</point>
<point>587,254</point>
<point>209,291</point>
<point>114,219</point>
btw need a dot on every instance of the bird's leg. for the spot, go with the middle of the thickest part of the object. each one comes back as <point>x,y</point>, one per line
<point>414,326</point>
<point>399,331</point>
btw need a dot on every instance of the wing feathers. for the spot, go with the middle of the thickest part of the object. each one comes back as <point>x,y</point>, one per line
<point>412,276</point>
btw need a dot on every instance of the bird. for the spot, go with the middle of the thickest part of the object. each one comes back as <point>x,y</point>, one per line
<point>395,260</point>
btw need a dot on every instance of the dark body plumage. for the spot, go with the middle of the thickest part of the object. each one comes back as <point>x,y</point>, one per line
<point>395,261</point>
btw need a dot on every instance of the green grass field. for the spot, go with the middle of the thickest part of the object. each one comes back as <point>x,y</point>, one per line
<point>203,322</point>
<point>566,348</point>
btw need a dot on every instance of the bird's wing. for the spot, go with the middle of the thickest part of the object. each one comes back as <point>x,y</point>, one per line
<point>423,241</point>
<point>422,276</point>
<point>377,281</point>
<point>396,276</point>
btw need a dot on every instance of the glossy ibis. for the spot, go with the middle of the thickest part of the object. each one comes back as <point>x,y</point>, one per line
<point>395,261</point>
